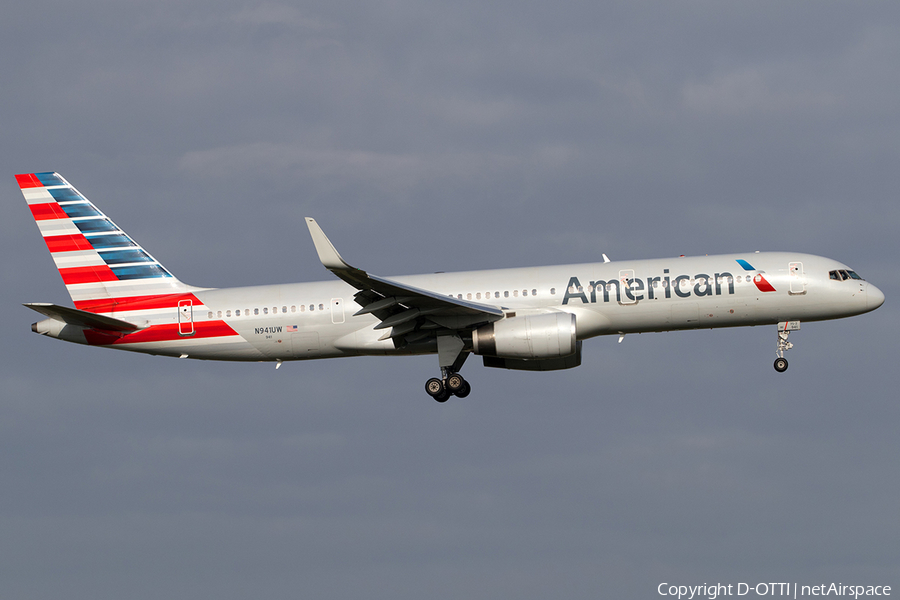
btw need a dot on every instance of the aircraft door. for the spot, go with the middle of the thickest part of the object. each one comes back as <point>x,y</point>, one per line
<point>798,285</point>
<point>337,310</point>
<point>626,282</point>
<point>185,317</point>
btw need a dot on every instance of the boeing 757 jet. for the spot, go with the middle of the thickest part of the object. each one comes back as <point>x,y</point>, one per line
<point>532,319</point>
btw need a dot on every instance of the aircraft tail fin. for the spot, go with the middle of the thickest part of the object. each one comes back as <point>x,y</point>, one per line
<point>99,263</point>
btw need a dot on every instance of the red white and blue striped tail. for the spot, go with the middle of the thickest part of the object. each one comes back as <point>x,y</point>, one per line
<point>103,268</point>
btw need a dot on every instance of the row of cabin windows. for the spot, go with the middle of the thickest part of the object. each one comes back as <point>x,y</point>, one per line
<point>609,286</point>
<point>265,311</point>
<point>469,296</point>
<point>506,294</point>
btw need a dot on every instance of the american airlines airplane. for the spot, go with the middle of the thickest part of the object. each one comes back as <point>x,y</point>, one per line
<point>531,319</point>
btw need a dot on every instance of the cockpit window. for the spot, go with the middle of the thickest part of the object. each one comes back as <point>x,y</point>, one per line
<point>843,275</point>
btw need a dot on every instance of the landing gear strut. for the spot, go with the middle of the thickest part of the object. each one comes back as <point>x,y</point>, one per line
<point>782,345</point>
<point>451,355</point>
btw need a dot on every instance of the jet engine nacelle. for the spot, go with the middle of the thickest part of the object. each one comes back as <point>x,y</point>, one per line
<point>531,336</point>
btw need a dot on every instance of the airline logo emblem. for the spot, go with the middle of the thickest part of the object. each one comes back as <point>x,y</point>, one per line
<point>761,282</point>
<point>106,272</point>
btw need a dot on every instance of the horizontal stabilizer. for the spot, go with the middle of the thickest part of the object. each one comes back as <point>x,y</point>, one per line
<point>81,318</point>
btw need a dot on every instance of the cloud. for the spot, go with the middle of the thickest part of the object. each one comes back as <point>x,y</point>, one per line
<point>750,90</point>
<point>396,174</point>
<point>280,14</point>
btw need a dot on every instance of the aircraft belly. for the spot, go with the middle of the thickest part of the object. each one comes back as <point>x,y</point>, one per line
<point>366,341</point>
<point>290,342</point>
<point>660,314</point>
<point>224,348</point>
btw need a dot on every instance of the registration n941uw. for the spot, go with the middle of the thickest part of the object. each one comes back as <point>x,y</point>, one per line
<point>531,319</point>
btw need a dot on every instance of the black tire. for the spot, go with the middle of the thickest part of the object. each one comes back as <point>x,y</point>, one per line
<point>443,396</point>
<point>455,383</point>
<point>781,364</point>
<point>465,391</point>
<point>434,387</point>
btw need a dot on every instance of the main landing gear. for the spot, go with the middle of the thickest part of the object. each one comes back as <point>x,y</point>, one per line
<point>451,356</point>
<point>782,345</point>
<point>452,385</point>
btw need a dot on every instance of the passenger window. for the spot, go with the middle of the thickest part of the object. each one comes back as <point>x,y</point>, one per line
<point>265,310</point>
<point>219,314</point>
<point>516,293</point>
<point>496,294</point>
<point>534,292</point>
<point>312,307</point>
<point>321,307</point>
<point>237,313</point>
<point>302,308</point>
<point>525,292</point>
<point>552,291</point>
<point>478,296</point>
<point>293,308</point>
<point>284,309</point>
<point>468,296</point>
<point>255,311</point>
<point>506,294</point>
<point>227,313</point>
<point>210,315</point>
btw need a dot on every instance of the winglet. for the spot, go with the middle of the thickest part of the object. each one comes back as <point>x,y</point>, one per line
<point>327,254</point>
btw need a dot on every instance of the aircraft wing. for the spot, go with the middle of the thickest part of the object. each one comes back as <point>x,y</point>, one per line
<point>410,313</point>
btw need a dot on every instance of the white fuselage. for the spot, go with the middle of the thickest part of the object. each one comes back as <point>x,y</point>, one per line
<point>316,320</point>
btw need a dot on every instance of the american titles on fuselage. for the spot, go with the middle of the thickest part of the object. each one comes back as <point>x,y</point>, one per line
<point>635,289</point>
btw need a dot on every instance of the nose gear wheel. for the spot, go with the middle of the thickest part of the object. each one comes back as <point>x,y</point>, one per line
<point>782,344</point>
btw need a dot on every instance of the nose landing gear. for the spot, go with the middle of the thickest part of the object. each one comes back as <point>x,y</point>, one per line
<point>782,345</point>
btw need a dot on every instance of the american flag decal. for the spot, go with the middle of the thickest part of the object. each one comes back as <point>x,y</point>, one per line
<point>291,329</point>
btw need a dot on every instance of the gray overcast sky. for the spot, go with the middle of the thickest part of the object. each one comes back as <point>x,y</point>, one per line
<point>430,136</point>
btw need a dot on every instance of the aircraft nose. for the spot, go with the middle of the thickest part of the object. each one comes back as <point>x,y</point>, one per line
<point>874,297</point>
